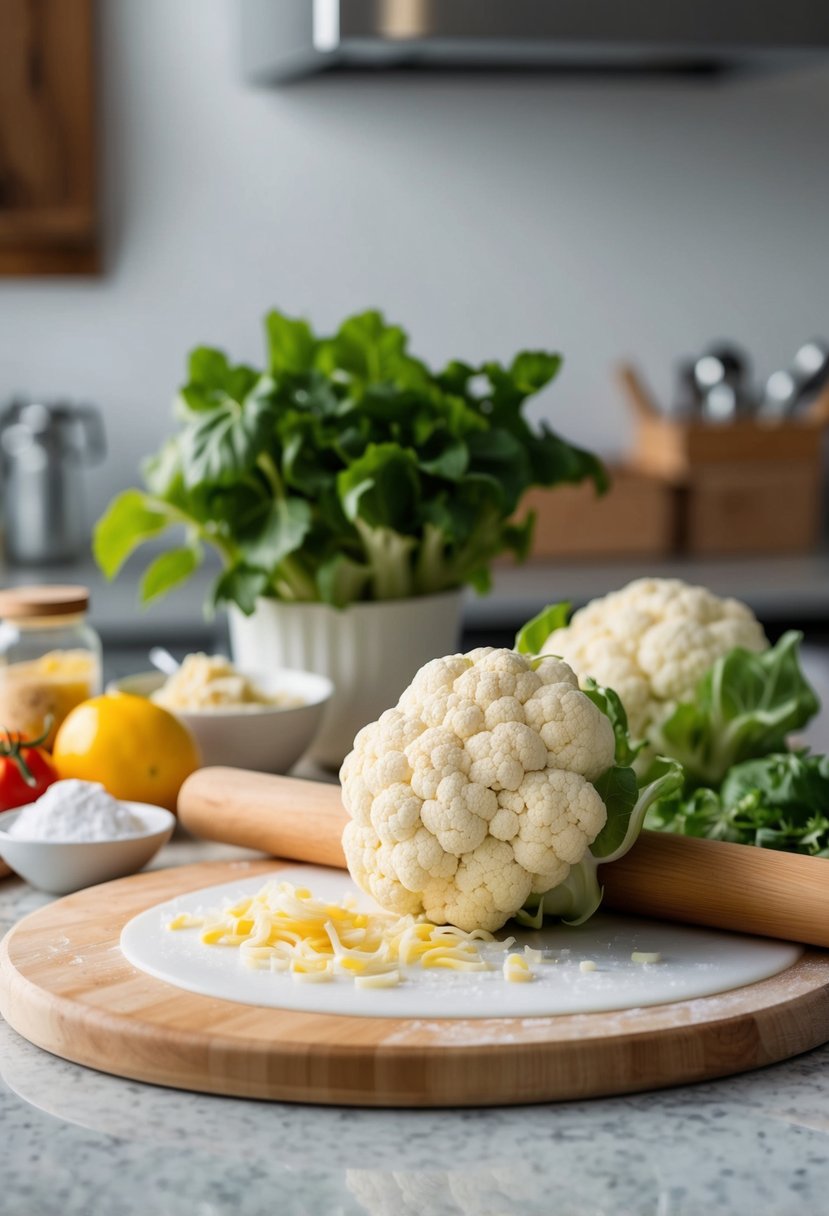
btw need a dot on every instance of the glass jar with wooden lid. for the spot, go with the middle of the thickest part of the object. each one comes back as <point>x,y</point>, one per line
<point>50,657</point>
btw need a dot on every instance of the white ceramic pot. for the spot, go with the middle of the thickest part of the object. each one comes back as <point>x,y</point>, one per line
<point>370,650</point>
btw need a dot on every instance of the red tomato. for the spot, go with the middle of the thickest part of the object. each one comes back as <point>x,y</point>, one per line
<point>25,771</point>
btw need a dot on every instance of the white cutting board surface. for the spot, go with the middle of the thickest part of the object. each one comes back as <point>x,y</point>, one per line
<point>695,963</point>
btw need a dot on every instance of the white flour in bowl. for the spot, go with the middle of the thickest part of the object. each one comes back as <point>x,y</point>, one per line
<point>76,811</point>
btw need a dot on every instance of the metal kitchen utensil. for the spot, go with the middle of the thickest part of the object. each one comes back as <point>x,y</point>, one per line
<point>43,448</point>
<point>811,366</point>
<point>789,389</point>
<point>163,661</point>
<point>721,379</point>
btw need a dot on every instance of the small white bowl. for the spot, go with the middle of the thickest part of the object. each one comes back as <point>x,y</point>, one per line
<point>61,866</point>
<point>266,738</point>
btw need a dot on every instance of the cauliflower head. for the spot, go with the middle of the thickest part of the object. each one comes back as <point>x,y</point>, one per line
<point>475,791</point>
<point>653,641</point>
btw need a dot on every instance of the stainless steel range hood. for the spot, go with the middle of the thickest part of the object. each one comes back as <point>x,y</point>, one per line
<point>286,39</point>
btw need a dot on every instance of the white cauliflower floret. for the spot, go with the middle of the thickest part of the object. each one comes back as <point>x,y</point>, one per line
<point>653,641</point>
<point>556,810</point>
<point>475,791</point>
<point>487,888</point>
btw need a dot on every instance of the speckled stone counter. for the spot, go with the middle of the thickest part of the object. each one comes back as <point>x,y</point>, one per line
<point>78,1143</point>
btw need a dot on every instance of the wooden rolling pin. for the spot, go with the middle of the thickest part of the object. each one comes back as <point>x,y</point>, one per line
<point>698,882</point>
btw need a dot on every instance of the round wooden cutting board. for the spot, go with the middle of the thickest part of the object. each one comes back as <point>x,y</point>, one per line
<point>65,986</point>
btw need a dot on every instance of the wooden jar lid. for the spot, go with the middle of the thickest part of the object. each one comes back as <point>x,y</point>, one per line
<point>59,599</point>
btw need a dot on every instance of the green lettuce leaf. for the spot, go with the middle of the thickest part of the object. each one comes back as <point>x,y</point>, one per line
<point>382,488</point>
<point>779,801</point>
<point>168,570</point>
<point>240,585</point>
<point>212,380</point>
<point>129,520</point>
<point>222,445</point>
<point>282,532</point>
<point>291,344</point>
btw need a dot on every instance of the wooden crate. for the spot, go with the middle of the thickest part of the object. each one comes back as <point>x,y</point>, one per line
<point>754,508</point>
<point>636,517</point>
<point>743,487</point>
<point>677,448</point>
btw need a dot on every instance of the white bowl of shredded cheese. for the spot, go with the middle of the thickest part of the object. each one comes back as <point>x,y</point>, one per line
<point>263,722</point>
<point>76,835</point>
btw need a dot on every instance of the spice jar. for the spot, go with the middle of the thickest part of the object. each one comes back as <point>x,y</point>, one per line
<point>50,657</point>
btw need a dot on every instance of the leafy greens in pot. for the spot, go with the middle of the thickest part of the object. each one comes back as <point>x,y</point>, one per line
<point>347,470</point>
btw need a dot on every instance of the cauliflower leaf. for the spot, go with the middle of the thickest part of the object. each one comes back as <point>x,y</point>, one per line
<point>611,706</point>
<point>531,637</point>
<point>744,707</point>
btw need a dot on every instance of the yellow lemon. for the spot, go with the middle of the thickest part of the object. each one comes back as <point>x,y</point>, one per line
<point>137,750</point>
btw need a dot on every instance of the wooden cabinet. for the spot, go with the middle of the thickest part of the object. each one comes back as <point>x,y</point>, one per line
<point>48,211</point>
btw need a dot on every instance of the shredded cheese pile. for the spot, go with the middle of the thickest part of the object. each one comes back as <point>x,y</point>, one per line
<point>284,928</point>
<point>646,956</point>
<point>517,970</point>
<point>206,682</point>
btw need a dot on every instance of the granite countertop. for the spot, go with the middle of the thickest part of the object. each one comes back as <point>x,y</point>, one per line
<point>80,1143</point>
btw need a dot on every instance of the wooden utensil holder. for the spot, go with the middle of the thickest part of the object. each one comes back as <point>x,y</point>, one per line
<point>635,518</point>
<point>743,487</point>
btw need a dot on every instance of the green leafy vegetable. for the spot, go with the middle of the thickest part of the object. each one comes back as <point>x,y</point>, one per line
<point>281,531</point>
<point>129,521</point>
<point>628,799</point>
<point>534,634</point>
<point>611,706</point>
<point>346,470</point>
<point>168,570</point>
<point>780,801</point>
<point>741,784</point>
<point>745,706</point>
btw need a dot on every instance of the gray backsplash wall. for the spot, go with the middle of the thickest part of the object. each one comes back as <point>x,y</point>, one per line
<point>601,217</point>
